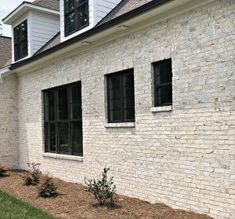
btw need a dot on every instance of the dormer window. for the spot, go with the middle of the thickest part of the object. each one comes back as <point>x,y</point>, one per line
<point>76,15</point>
<point>20,41</point>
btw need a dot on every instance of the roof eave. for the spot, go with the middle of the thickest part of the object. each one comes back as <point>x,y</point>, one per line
<point>93,31</point>
<point>104,30</point>
<point>23,8</point>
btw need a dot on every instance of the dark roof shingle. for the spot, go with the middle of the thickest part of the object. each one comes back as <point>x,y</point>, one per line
<point>123,7</point>
<point>5,51</point>
<point>50,4</point>
<point>52,42</point>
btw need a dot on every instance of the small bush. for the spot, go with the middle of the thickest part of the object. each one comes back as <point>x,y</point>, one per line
<point>48,189</point>
<point>103,189</point>
<point>33,176</point>
<point>3,170</point>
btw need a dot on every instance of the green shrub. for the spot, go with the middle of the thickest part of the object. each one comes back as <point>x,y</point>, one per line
<point>103,189</point>
<point>48,189</point>
<point>33,176</point>
<point>3,170</point>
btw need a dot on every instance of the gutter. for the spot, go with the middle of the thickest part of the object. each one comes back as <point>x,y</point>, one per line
<point>97,29</point>
<point>4,70</point>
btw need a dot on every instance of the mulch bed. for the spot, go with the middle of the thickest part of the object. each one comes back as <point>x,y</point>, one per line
<point>76,202</point>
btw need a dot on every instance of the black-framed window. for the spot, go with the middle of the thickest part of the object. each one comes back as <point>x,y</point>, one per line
<point>20,41</point>
<point>120,96</point>
<point>76,15</point>
<point>163,83</point>
<point>63,120</point>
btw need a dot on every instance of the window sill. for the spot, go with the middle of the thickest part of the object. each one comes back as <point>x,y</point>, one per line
<point>161,109</point>
<point>120,125</point>
<point>63,156</point>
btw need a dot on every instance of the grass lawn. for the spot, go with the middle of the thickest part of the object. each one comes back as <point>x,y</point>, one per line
<point>12,208</point>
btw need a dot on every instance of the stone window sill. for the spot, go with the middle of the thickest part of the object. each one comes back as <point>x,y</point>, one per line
<point>161,109</point>
<point>63,157</point>
<point>120,125</point>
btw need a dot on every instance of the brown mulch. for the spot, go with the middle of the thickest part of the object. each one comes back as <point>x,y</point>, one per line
<point>75,202</point>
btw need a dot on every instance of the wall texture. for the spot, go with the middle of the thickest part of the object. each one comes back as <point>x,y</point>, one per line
<point>8,122</point>
<point>184,158</point>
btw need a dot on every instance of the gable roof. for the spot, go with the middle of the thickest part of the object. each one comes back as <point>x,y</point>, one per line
<point>5,51</point>
<point>50,4</point>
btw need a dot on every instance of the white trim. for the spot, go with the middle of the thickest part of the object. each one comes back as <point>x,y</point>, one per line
<point>62,156</point>
<point>26,6</point>
<point>161,109</point>
<point>4,70</point>
<point>120,125</point>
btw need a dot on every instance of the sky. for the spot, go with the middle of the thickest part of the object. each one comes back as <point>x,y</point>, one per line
<point>6,6</point>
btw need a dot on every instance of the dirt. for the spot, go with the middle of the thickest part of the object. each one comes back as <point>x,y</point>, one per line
<point>75,202</point>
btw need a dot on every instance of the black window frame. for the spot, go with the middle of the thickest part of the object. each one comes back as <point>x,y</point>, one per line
<point>20,40</point>
<point>77,5</point>
<point>125,111</point>
<point>158,96</point>
<point>58,122</point>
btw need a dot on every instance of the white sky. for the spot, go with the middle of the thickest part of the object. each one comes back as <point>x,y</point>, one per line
<point>6,6</point>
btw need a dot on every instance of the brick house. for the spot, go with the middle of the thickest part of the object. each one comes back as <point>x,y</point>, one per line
<point>143,87</point>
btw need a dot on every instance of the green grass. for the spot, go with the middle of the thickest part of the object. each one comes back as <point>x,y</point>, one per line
<point>13,208</point>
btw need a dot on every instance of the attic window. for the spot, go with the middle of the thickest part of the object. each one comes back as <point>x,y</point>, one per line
<point>76,15</point>
<point>20,41</point>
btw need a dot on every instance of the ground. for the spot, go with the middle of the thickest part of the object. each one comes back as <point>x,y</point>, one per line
<point>76,202</point>
<point>12,208</point>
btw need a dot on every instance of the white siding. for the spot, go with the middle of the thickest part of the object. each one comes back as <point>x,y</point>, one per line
<point>43,28</point>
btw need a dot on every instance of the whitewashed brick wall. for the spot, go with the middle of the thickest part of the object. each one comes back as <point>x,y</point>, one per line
<point>184,158</point>
<point>8,122</point>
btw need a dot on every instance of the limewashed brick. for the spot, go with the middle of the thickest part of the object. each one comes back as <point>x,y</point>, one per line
<point>184,157</point>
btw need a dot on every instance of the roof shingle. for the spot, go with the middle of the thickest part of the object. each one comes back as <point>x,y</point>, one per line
<point>123,7</point>
<point>50,4</point>
<point>5,51</point>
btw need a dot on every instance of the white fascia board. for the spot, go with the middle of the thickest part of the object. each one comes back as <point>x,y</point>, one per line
<point>4,71</point>
<point>24,8</point>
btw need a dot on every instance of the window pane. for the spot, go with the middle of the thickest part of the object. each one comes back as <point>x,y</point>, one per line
<point>23,48</point>
<point>165,95</point>
<point>70,22</point>
<point>163,83</point>
<point>52,140</point>
<point>46,136</point>
<point>83,15</point>
<point>49,106</point>
<point>63,103</point>
<point>68,5</point>
<point>16,52</point>
<point>20,41</point>
<point>76,136</point>
<point>165,72</point>
<point>63,131</point>
<point>23,31</point>
<point>121,97</point>
<point>64,138</point>
<point>76,102</point>
<point>16,34</point>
